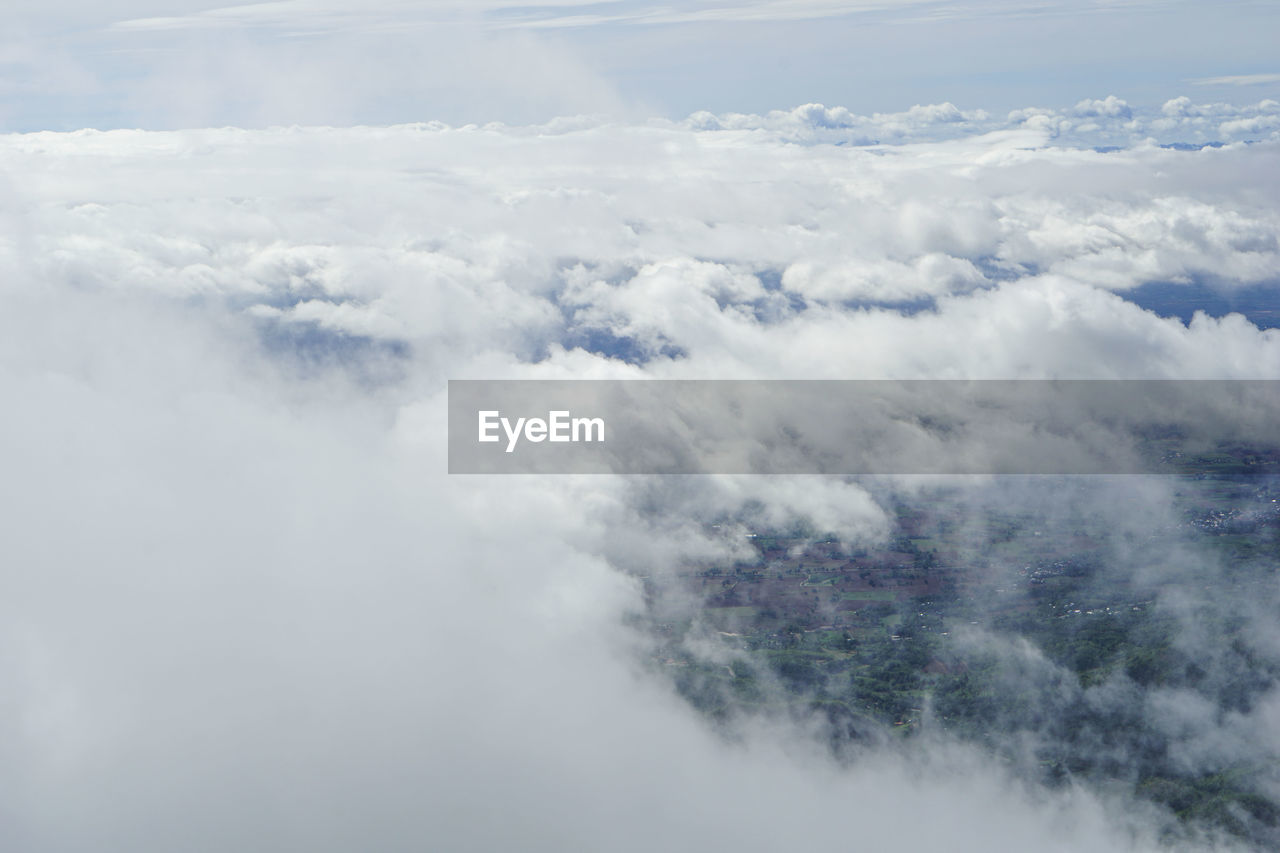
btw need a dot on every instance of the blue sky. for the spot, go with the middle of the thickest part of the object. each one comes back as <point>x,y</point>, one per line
<point>68,64</point>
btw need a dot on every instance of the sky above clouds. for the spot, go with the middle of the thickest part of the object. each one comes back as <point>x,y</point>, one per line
<point>68,65</point>
<point>243,605</point>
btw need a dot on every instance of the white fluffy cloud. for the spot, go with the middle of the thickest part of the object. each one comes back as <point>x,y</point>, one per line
<point>727,247</point>
<point>245,607</point>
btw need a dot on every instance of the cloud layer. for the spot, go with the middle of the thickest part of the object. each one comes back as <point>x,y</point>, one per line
<point>245,607</point>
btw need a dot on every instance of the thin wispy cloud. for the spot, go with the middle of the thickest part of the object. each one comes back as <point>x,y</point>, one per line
<point>318,14</point>
<point>1237,80</point>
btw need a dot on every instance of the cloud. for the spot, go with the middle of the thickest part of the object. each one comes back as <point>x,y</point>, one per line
<point>1237,80</point>
<point>314,15</point>
<point>1109,107</point>
<point>240,607</point>
<point>244,605</point>
<point>1100,123</point>
<point>564,15</point>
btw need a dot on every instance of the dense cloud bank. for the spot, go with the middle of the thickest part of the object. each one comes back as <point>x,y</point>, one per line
<point>1101,122</point>
<point>244,606</point>
<point>721,251</point>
